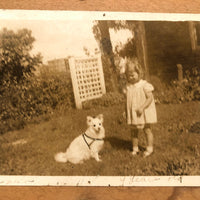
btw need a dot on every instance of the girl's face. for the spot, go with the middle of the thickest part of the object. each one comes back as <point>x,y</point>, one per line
<point>133,77</point>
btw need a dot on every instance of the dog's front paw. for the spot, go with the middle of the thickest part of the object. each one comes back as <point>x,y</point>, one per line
<point>99,160</point>
<point>96,156</point>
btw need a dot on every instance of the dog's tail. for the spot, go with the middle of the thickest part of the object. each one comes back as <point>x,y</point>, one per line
<point>61,157</point>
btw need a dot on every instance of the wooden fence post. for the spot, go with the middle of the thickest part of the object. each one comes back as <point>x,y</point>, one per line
<point>180,72</point>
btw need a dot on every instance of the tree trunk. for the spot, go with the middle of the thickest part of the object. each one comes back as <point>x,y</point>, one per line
<point>141,47</point>
<point>138,30</point>
<point>107,56</point>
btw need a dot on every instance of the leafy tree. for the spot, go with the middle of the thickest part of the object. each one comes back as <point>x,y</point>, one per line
<point>86,51</point>
<point>127,50</point>
<point>135,47</point>
<point>17,83</point>
<point>102,35</point>
<point>16,61</point>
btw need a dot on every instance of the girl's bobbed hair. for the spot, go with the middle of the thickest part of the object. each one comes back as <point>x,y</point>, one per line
<point>132,64</point>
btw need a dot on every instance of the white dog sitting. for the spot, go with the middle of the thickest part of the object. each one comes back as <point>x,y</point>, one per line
<point>86,145</point>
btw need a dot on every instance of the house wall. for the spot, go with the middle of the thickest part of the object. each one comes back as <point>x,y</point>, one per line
<point>169,44</point>
<point>58,65</point>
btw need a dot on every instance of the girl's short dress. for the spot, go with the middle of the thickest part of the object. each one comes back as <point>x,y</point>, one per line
<point>136,96</point>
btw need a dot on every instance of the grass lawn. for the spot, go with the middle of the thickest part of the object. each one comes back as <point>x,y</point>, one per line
<point>30,151</point>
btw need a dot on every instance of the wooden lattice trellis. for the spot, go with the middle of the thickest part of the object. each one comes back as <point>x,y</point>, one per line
<point>87,79</point>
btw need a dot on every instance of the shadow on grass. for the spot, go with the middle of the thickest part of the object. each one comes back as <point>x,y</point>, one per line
<point>118,143</point>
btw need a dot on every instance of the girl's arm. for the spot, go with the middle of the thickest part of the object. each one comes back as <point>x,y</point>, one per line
<point>149,99</point>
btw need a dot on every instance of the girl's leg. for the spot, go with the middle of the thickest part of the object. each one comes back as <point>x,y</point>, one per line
<point>149,136</point>
<point>134,134</point>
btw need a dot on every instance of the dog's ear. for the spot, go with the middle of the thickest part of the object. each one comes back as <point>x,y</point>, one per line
<point>89,120</point>
<point>100,116</point>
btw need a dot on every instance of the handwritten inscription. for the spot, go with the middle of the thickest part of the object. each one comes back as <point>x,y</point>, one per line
<point>95,181</point>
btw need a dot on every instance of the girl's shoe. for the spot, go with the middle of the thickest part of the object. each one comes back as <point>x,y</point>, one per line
<point>148,152</point>
<point>135,151</point>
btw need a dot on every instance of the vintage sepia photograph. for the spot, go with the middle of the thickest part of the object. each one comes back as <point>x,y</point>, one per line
<point>104,97</point>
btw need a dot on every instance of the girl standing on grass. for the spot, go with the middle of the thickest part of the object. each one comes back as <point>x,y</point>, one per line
<point>140,105</point>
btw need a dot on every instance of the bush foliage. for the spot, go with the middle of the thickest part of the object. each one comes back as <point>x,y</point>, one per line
<point>21,102</point>
<point>16,61</point>
<point>178,92</point>
<point>37,96</point>
<point>175,92</point>
<point>109,99</point>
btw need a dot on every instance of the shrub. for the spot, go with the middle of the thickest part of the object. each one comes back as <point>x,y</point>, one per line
<point>36,96</point>
<point>191,84</point>
<point>57,90</point>
<point>108,99</point>
<point>178,92</point>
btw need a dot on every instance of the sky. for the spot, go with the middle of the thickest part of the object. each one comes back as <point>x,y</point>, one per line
<point>61,38</point>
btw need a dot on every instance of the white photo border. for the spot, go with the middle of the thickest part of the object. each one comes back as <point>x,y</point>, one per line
<point>126,181</point>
